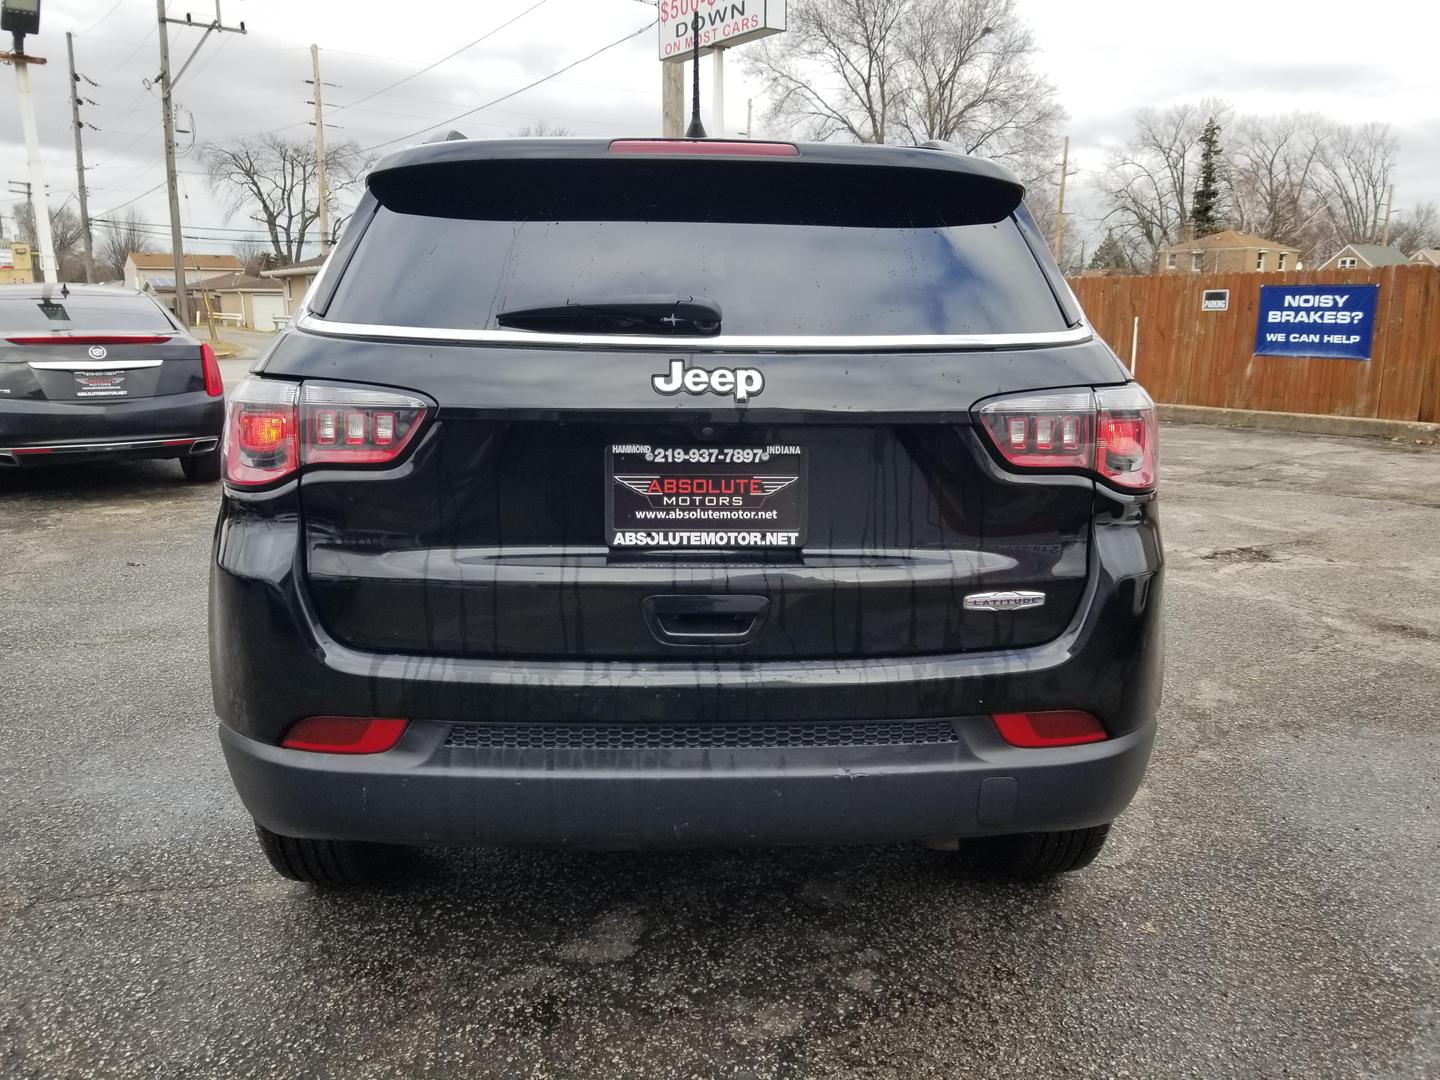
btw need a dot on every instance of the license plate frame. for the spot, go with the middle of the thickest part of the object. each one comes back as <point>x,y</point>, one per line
<point>705,497</point>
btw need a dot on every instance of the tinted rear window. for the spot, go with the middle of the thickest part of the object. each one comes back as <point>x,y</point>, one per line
<point>818,257</point>
<point>78,312</point>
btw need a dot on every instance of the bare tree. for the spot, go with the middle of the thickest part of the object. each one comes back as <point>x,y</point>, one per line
<point>65,233</point>
<point>1418,229</point>
<point>274,182</point>
<point>1274,162</point>
<point>836,71</point>
<point>542,129</point>
<point>119,236</point>
<point>1355,169</point>
<point>252,255</point>
<point>969,80</point>
<point>959,71</point>
<point>1147,187</point>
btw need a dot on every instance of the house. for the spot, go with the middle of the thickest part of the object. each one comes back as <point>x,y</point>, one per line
<point>1427,257</point>
<point>1364,257</point>
<point>1228,252</point>
<point>16,266</point>
<point>248,301</point>
<point>154,272</point>
<point>296,280</point>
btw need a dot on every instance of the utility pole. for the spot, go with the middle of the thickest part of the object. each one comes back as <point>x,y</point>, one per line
<point>1389,201</point>
<point>320,153</point>
<point>39,206</point>
<point>167,87</point>
<point>1060,208</point>
<point>80,159</point>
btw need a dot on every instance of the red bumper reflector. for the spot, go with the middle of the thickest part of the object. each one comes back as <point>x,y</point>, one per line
<point>345,734</point>
<point>736,148</point>
<point>1064,727</point>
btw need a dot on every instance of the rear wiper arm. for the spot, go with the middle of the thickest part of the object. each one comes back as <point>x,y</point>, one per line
<point>665,313</point>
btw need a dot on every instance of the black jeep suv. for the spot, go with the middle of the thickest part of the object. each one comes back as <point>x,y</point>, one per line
<point>651,492</point>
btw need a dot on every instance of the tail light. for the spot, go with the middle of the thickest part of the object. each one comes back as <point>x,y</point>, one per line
<point>1059,727</point>
<point>345,734</point>
<point>1110,433</point>
<point>272,428</point>
<point>214,386</point>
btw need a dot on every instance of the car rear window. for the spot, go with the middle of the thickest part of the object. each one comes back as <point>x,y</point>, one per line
<point>77,312</point>
<point>829,252</point>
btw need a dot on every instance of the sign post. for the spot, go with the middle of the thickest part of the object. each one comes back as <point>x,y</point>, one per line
<point>723,25</point>
<point>1326,321</point>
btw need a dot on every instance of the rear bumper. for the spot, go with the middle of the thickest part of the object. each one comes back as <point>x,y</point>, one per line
<point>172,425</point>
<point>424,792</point>
<point>272,662</point>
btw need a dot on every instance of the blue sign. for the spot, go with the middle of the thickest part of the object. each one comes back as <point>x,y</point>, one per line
<point>1336,321</point>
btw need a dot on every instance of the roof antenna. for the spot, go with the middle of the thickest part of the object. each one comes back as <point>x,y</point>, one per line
<point>696,130</point>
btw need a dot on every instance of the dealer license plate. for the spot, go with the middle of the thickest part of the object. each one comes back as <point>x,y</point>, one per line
<point>100,384</point>
<point>724,497</point>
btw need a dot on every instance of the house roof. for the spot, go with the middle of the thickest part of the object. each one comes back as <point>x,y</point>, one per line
<point>304,266</point>
<point>239,282</point>
<point>1372,254</point>
<point>1430,255</point>
<point>163,260</point>
<point>1229,238</point>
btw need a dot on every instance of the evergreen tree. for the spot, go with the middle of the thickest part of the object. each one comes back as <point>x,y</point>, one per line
<point>1205,213</point>
<point>1110,255</point>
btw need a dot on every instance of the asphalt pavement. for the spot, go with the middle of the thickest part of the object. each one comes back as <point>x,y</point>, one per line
<point>1268,907</point>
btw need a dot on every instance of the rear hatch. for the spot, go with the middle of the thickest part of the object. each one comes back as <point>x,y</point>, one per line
<point>92,348</point>
<point>693,406</point>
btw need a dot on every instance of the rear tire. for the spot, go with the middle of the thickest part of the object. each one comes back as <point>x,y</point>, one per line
<point>1040,855</point>
<point>201,468</point>
<point>328,864</point>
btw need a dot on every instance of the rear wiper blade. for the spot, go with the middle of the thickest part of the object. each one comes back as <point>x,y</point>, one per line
<point>689,316</point>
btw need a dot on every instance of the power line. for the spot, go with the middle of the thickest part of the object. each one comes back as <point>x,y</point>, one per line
<point>134,198</point>
<point>512,93</point>
<point>450,56</point>
<point>97,22</point>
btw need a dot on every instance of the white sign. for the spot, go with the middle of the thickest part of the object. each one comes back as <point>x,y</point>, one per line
<point>723,23</point>
<point>1215,300</point>
<point>7,258</point>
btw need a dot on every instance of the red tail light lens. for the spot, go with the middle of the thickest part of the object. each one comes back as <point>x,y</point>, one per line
<point>1062,727</point>
<point>214,386</point>
<point>90,339</point>
<point>1110,433</point>
<point>345,734</point>
<point>273,428</point>
<point>351,425</point>
<point>262,432</point>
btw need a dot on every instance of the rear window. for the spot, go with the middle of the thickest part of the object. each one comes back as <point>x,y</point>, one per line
<point>79,312</point>
<point>829,252</point>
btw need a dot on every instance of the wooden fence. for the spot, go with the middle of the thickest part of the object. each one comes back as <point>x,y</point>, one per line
<point>1187,356</point>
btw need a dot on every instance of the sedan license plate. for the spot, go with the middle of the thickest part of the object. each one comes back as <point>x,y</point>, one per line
<point>100,384</point>
<point>715,497</point>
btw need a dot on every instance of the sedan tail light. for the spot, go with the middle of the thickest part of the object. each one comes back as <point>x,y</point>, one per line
<point>274,428</point>
<point>1109,433</point>
<point>214,385</point>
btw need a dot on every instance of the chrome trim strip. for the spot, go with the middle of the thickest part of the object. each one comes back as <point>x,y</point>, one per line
<point>129,444</point>
<point>721,343</point>
<point>92,365</point>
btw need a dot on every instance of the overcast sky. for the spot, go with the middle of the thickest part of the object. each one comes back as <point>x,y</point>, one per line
<point>1355,63</point>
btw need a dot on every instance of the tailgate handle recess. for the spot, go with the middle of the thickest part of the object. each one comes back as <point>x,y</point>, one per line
<point>719,619</point>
